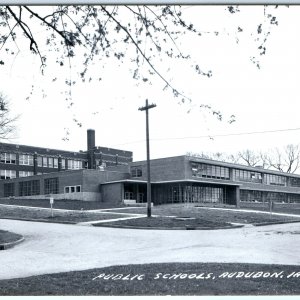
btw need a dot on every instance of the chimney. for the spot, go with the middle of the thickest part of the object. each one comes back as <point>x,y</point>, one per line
<point>91,149</point>
<point>90,139</point>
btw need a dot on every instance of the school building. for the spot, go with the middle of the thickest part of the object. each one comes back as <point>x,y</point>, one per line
<point>180,179</point>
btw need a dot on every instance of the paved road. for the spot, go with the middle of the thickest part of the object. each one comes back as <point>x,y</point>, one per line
<point>50,248</point>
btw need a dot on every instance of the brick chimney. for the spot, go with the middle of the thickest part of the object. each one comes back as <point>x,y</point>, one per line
<point>91,149</point>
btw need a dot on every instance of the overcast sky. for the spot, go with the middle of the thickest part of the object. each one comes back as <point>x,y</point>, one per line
<point>264,99</point>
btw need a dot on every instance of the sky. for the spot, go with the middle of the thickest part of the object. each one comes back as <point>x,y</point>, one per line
<point>262,100</point>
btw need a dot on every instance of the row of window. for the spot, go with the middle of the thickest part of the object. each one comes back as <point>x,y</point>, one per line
<point>212,171</point>
<point>32,187</point>
<point>259,197</point>
<point>42,161</point>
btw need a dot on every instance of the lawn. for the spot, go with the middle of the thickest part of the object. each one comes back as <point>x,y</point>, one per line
<point>8,237</point>
<point>163,279</point>
<point>21,213</point>
<point>169,223</point>
<point>166,216</point>
<point>212,215</point>
<point>62,204</point>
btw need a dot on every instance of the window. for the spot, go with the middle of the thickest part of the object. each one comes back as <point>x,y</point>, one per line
<point>295,182</point>
<point>8,158</point>
<point>55,163</point>
<point>45,162</point>
<point>25,173</point>
<point>26,159</point>
<point>50,162</point>
<point>39,161</point>
<point>29,188</point>
<point>63,163</point>
<point>73,189</point>
<point>8,174</point>
<point>136,172</point>
<point>9,189</point>
<point>128,195</point>
<point>51,185</point>
<point>210,171</point>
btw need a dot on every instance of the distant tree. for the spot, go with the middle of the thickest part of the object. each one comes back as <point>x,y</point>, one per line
<point>250,158</point>
<point>7,122</point>
<point>285,160</point>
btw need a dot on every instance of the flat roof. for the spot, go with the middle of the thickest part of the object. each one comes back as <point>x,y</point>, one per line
<point>221,163</point>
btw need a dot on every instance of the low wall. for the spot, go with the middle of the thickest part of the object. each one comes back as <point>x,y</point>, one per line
<point>82,196</point>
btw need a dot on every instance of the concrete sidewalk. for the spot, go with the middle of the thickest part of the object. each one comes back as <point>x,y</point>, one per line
<point>251,211</point>
<point>52,248</point>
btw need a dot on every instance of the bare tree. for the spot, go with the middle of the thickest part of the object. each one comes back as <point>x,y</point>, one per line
<point>7,122</point>
<point>250,158</point>
<point>285,160</point>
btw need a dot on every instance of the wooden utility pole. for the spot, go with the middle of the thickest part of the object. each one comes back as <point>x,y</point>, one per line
<point>146,108</point>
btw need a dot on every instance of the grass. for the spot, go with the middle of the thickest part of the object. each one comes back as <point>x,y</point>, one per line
<point>180,279</point>
<point>8,237</point>
<point>61,204</point>
<point>58,216</point>
<point>171,223</point>
<point>213,215</point>
<point>191,216</point>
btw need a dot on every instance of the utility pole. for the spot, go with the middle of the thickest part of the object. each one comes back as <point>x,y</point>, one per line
<point>146,108</point>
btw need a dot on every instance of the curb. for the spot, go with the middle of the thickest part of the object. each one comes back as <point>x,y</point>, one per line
<point>167,228</point>
<point>40,220</point>
<point>274,223</point>
<point>5,246</point>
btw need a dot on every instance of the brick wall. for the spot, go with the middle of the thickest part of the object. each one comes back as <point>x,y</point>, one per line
<point>112,193</point>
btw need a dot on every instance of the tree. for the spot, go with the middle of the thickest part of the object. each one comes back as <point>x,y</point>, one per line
<point>250,158</point>
<point>7,122</point>
<point>143,35</point>
<point>285,160</point>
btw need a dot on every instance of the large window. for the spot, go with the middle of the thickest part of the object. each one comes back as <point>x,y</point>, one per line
<point>8,174</point>
<point>26,159</point>
<point>29,188</point>
<point>9,189</point>
<point>249,176</point>
<point>251,196</point>
<point>274,179</point>
<point>210,171</point>
<point>8,158</point>
<point>259,196</point>
<point>51,185</point>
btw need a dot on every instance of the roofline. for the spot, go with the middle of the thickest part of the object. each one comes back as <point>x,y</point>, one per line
<point>225,164</point>
<point>171,181</point>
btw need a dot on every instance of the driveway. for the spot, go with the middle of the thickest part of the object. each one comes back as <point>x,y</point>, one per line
<point>52,248</point>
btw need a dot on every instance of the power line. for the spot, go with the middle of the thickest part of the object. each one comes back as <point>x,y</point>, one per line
<point>212,136</point>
